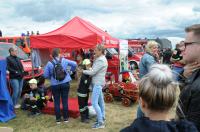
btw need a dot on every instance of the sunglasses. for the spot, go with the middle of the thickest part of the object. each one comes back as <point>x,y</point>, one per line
<point>190,43</point>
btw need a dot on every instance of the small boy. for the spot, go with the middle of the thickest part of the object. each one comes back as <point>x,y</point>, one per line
<point>35,100</point>
<point>83,92</point>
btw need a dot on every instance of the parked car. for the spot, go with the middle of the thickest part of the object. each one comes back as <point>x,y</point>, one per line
<point>26,63</point>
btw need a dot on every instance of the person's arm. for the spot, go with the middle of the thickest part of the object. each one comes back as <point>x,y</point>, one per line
<point>47,69</point>
<point>193,114</point>
<point>72,64</point>
<point>9,67</point>
<point>149,61</point>
<point>95,68</point>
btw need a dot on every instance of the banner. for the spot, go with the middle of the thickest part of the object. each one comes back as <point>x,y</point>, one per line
<point>123,55</point>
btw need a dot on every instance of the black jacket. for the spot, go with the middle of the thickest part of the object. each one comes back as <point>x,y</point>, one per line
<point>84,84</point>
<point>189,100</point>
<point>15,67</point>
<point>145,125</point>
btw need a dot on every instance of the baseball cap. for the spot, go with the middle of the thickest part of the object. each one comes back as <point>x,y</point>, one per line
<point>33,81</point>
<point>86,62</point>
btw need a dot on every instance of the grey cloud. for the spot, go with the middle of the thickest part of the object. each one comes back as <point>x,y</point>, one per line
<point>196,9</point>
<point>154,33</point>
<point>46,10</point>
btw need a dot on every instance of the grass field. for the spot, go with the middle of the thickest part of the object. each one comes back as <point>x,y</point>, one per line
<point>117,117</point>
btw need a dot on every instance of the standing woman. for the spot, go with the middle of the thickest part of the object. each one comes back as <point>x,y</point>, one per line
<point>60,89</point>
<point>148,59</point>
<point>16,73</point>
<point>98,72</point>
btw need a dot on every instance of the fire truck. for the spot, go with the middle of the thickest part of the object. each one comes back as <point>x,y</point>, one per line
<point>21,41</point>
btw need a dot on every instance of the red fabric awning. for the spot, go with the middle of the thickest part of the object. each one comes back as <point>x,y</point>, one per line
<point>75,34</point>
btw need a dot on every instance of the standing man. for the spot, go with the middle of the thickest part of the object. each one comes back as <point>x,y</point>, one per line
<point>16,73</point>
<point>98,72</point>
<point>189,102</point>
<point>56,71</point>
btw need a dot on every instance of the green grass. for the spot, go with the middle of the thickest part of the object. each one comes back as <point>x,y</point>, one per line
<point>117,117</point>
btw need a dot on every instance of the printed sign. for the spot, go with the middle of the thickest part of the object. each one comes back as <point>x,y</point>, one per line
<point>123,50</point>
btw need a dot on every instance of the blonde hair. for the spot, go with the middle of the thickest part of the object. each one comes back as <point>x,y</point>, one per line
<point>158,89</point>
<point>150,45</point>
<point>101,48</point>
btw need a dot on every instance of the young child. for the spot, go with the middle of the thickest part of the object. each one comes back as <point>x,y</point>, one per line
<point>157,95</point>
<point>35,100</point>
<point>83,92</point>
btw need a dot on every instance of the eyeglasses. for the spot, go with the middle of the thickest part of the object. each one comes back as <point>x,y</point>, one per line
<point>189,43</point>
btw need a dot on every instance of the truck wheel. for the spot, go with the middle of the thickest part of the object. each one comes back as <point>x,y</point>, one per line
<point>108,98</point>
<point>126,102</point>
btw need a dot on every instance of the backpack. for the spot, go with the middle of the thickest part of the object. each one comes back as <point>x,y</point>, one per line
<point>58,71</point>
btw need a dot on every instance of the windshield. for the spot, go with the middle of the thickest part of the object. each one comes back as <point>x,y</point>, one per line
<point>131,50</point>
<point>4,47</point>
<point>137,49</point>
<point>112,51</point>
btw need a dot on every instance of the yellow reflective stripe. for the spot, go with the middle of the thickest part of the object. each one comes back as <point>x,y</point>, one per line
<point>83,109</point>
<point>81,95</point>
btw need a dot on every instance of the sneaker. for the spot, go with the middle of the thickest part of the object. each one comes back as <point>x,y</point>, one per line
<point>17,106</point>
<point>104,120</point>
<point>32,114</point>
<point>37,113</point>
<point>58,122</point>
<point>66,121</point>
<point>98,125</point>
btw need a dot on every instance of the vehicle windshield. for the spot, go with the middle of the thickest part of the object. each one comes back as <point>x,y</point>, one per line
<point>112,51</point>
<point>131,50</point>
<point>137,49</point>
<point>4,47</point>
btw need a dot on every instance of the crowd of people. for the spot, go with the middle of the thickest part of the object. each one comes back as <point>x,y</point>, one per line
<point>158,85</point>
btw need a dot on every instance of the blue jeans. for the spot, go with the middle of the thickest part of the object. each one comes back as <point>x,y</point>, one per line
<point>17,85</point>
<point>61,90</point>
<point>98,102</point>
<point>176,72</point>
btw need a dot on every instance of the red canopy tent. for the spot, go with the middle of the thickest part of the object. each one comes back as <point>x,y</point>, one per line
<point>75,34</point>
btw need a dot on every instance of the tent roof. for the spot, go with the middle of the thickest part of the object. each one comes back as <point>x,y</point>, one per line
<point>75,34</point>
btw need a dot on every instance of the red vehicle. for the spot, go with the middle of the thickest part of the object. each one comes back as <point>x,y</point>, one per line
<point>23,42</point>
<point>125,90</point>
<point>136,47</point>
<point>26,62</point>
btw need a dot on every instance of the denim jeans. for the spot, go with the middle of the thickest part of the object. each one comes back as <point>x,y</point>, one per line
<point>61,91</point>
<point>17,85</point>
<point>98,102</point>
<point>176,72</point>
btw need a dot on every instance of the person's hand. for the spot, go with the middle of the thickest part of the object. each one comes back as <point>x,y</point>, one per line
<point>26,95</point>
<point>79,70</point>
<point>190,68</point>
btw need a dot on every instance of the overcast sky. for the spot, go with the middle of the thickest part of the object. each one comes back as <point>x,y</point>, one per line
<point>121,18</point>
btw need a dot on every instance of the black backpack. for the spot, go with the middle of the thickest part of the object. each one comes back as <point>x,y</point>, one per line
<point>58,71</point>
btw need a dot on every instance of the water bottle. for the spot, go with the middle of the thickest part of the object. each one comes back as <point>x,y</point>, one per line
<point>31,94</point>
